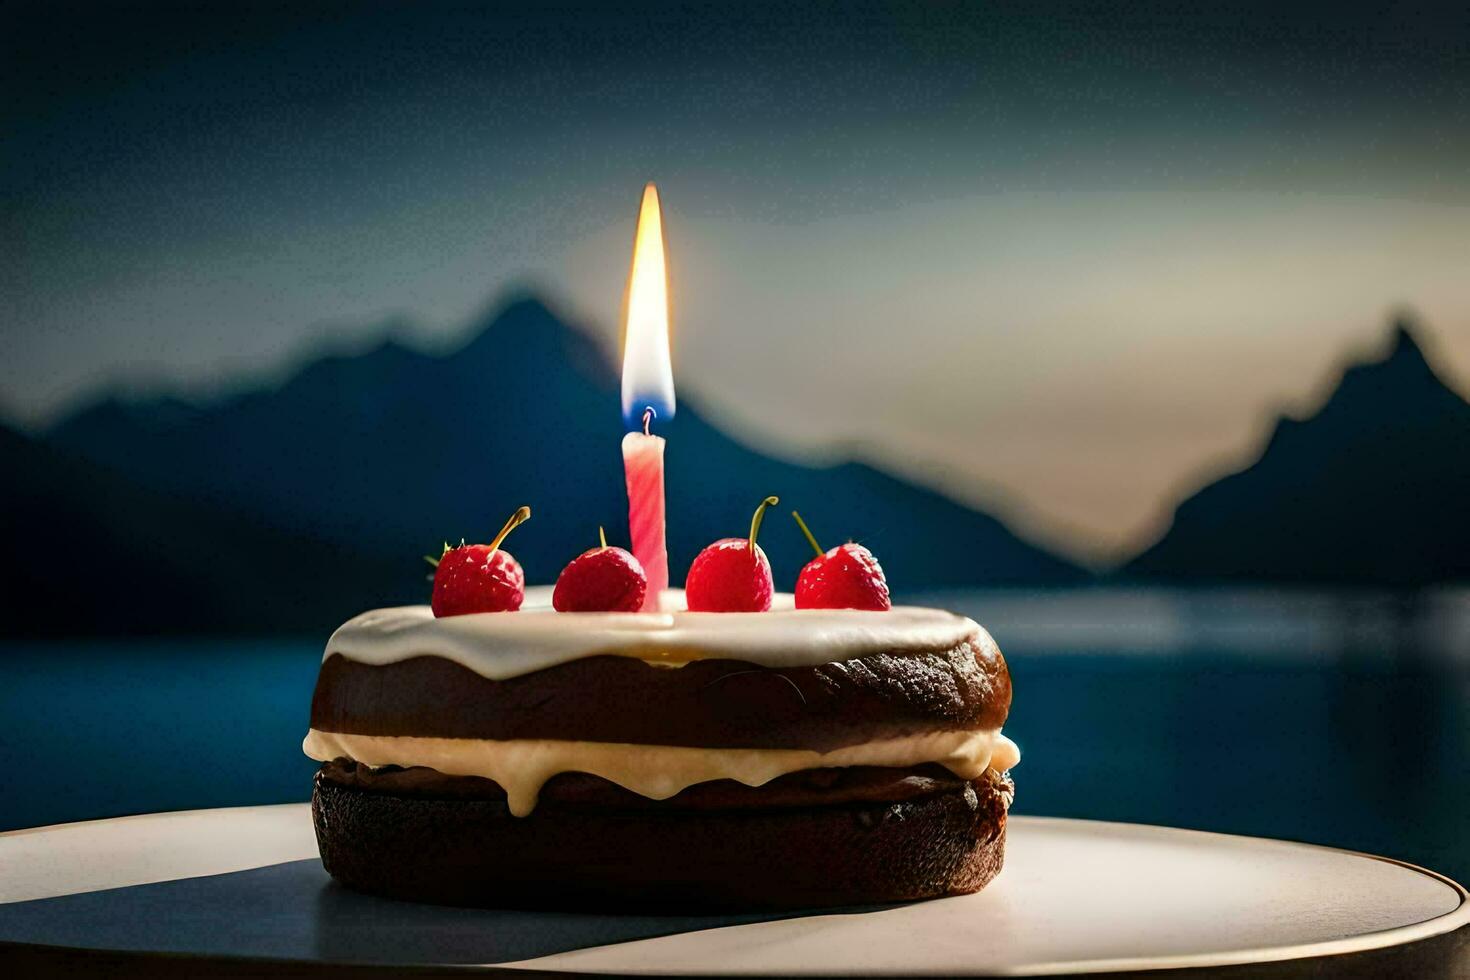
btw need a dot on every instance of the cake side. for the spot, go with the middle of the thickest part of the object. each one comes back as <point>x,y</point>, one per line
<point>471,851</point>
<point>658,714</point>
<point>676,760</point>
<point>705,702</point>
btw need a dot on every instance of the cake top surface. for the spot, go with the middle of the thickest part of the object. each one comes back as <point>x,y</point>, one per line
<point>508,644</point>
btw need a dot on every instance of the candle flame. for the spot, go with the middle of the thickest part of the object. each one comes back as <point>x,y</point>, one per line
<point>648,374</point>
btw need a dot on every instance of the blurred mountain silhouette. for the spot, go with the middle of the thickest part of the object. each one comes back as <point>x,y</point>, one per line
<point>1374,490</point>
<point>94,554</point>
<point>375,459</point>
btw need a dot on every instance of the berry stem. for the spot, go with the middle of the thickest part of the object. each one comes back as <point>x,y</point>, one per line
<point>760,515</point>
<point>435,561</point>
<point>521,516</point>
<point>808,532</point>
<point>602,535</point>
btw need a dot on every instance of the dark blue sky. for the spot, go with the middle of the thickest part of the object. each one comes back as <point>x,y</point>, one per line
<point>1071,252</point>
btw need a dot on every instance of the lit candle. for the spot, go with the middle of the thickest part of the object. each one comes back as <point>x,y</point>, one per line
<point>648,395</point>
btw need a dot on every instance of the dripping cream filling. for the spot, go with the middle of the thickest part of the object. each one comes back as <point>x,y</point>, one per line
<point>522,766</point>
<point>500,646</point>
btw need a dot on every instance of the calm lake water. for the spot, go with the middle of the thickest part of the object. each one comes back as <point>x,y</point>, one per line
<point>1340,719</point>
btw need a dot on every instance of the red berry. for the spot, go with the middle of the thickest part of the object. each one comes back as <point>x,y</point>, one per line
<point>846,577</point>
<point>729,577</point>
<point>476,578</point>
<point>601,580</point>
<point>733,574</point>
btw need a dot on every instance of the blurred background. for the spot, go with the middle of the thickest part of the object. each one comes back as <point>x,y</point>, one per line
<point>1139,332</point>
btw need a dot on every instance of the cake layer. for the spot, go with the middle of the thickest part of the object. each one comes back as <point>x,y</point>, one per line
<point>521,767</point>
<point>503,645</point>
<point>807,787</point>
<point>472,852</point>
<point>714,703</point>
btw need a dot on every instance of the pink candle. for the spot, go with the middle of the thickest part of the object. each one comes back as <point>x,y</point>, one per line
<point>643,462</point>
<point>648,393</point>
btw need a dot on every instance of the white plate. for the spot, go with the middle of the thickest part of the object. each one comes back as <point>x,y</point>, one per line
<point>1075,896</point>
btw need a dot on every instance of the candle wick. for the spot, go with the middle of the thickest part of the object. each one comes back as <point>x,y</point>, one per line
<point>648,416</point>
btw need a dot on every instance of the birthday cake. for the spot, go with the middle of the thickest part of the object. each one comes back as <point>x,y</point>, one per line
<point>568,748</point>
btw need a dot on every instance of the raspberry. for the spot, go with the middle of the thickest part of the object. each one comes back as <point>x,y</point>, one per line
<point>475,578</point>
<point>601,580</point>
<point>733,574</point>
<point>845,577</point>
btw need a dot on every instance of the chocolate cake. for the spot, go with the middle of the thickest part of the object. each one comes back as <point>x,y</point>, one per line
<point>665,759</point>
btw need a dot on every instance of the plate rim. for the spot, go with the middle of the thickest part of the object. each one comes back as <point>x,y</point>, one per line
<point>1406,935</point>
<point>1396,936</point>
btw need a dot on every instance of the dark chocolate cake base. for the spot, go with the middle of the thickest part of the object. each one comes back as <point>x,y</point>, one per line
<point>465,848</point>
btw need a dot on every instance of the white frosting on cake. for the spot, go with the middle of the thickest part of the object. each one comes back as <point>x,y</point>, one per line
<point>509,644</point>
<point>522,766</point>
